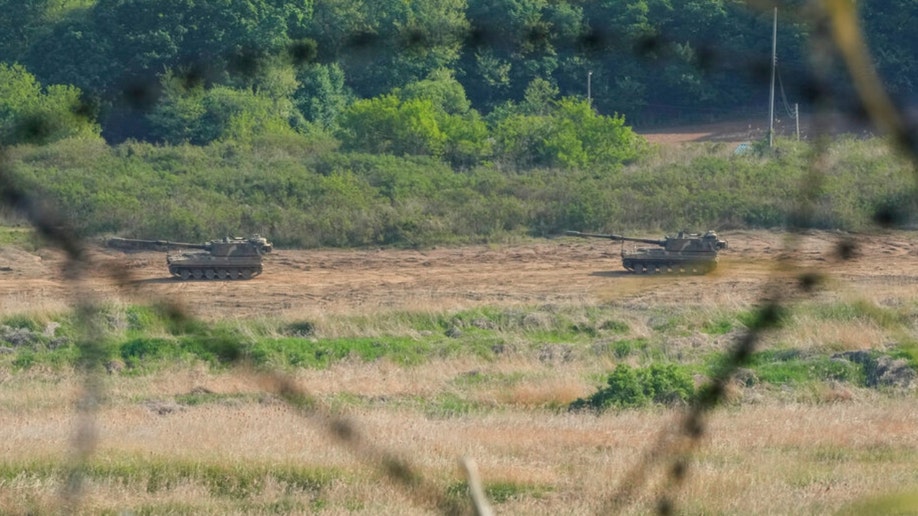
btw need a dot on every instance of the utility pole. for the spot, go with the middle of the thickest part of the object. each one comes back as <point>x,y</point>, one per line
<point>771,96</point>
<point>589,87</point>
<point>797,118</point>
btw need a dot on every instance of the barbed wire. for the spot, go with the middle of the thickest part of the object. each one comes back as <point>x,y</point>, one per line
<point>836,32</point>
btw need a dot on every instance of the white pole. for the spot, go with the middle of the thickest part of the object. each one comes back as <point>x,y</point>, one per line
<point>797,118</point>
<point>589,87</point>
<point>771,96</point>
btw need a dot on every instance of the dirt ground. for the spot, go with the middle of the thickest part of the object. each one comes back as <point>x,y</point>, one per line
<point>298,283</point>
<point>734,132</point>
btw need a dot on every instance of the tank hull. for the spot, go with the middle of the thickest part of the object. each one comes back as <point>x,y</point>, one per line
<point>654,262</point>
<point>206,267</point>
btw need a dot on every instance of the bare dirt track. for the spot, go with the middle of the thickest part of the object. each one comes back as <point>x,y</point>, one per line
<point>552,271</point>
<point>733,132</point>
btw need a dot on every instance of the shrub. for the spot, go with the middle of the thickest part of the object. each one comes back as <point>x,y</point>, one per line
<point>627,387</point>
<point>134,351</point>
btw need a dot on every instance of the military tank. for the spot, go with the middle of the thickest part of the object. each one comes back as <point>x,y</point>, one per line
<point>229,258</point>
<point>693,253</point>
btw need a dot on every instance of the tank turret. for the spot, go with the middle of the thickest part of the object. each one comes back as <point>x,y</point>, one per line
<point>684,253</point>
<point>227,258</point>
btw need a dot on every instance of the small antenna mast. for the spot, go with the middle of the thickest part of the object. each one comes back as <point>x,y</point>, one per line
<point>771,96</point>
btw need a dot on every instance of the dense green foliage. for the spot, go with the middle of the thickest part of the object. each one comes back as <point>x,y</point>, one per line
<point>627,387</point>
<point>302,192</point>
<point>292,61</point>
<point>30,112</point>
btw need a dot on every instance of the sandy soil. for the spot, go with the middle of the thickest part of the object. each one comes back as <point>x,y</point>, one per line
<point>563,270</point>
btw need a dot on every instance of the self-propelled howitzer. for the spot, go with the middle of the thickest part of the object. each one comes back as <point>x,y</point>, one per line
<point>684,253</point>
<point>227,258</point>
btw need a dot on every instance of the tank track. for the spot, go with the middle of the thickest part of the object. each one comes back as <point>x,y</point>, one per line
<point>669,267</point>
<point>212,273</point>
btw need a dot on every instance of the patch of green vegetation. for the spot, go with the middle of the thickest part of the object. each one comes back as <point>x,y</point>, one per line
<point>22,322</point>
<point>204,397</point>
<point>219,346</point>
<point>872,453</point>
<point>907,351</point>
<point>499,492</point>
<point>348,199</point>
<point>341,401</point>
<point>449,405</point>
<point>628,387</point>
<point>56,359</point>
<point>897,503</point>
<point>237,481</point>
<point>793,367</point>
<point>485,317</point>
<point>670,321</point>
<point>627,347</point>
<point>22,237</point>
<point>831,454</point>
<point>143,319</point>
<point>614,326</point>
<point>138,350</point>
<point>859,310</point>
<point>718,326</point>
<point>321,353</point>
<point>477,378</point>
<point>556,336</point>
<point>764,317</point>
<point>623,348</point>
<point>883,452</point>
<point>24,359</point>
<point>300,329</point>
<point>285,505</point>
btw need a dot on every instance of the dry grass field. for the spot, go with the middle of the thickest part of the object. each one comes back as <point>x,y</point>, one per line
<point>196,439</point>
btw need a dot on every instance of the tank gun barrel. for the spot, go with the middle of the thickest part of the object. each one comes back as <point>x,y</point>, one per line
<point>618,238</point>
<point>134,243</point>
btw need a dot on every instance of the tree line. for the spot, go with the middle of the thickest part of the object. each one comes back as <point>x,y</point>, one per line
<point>189,71</point>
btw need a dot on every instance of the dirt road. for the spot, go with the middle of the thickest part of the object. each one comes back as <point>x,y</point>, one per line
<point>305,282</point>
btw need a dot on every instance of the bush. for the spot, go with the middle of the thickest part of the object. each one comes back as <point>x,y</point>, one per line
<point>626,387</point>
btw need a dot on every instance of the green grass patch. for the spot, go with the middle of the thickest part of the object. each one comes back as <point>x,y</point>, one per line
<point>136,351</point>
<point>499,492</point>
<point>237,481</point>
<point>896,503</point>
<point>628,347</point>
<point>204,397</point>
<point>24,238</point>
<point>793,367</point>
<point>907,351</point>
<point>56,359</point>
<point>857,311</point>
<point>670,321</point>
<point>718,326</point>
<point>22,322</point>
<point>144,319</point>
<point>479,379</point>
<point>450,405</point>
<point>321,353</point>
<point>613,326</point>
